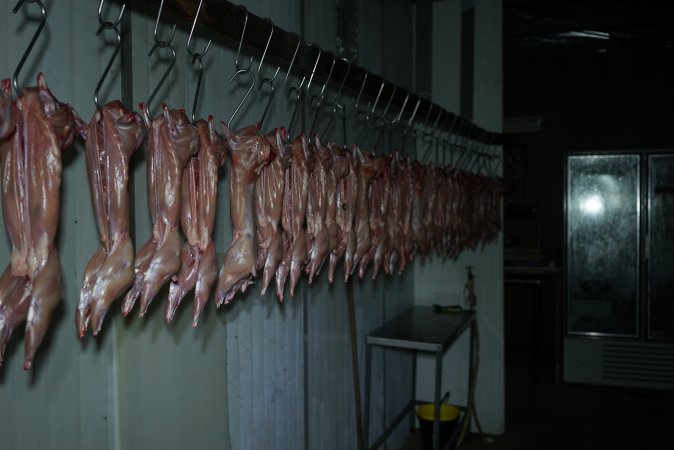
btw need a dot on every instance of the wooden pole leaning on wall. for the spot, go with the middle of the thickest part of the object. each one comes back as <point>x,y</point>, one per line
<point>355,367</point>
<point>222,21</point>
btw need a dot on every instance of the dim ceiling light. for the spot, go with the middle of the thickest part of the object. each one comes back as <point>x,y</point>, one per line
<point>592,205</point>
<point>587,34</point>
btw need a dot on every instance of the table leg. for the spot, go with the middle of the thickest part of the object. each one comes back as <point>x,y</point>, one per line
<point>366,412</point>
<point>471,374</point>
<point>559,315</point>
<point>438,389</point>
<point>414,388</point>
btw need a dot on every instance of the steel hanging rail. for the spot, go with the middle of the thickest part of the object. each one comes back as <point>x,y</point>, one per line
<point>223,21</point>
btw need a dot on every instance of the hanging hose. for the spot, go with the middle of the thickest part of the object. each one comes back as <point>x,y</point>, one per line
<point>471,410</point>
<point>469,290</point>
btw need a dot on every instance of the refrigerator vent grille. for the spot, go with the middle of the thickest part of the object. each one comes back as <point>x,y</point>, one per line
<point>642,363</point>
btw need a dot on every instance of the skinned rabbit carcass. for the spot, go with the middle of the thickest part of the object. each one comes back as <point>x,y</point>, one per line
<point>172,140</point>
<point>34,129</point>
<point>318,239</point>
<point>269,191</point>
<point>294,217</point>
<point>340,199</point>
<point>111,138</point>
<point>199,190</point>
<point>249,152</point>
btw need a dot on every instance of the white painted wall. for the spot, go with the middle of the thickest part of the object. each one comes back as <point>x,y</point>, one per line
<point>442,283</point>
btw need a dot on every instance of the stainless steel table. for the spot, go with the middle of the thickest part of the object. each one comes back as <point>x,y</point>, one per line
<point>418,329</point>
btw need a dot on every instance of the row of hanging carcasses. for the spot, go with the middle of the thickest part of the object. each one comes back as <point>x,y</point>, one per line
<point>298,206</point>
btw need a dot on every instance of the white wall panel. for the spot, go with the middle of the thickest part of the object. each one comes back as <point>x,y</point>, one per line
<point>447,54</point>
<point>488,113</point>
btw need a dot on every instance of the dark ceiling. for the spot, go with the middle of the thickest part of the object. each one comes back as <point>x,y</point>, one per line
<point>595,26</point>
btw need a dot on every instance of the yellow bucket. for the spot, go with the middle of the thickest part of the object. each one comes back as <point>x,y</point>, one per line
<point>447,412</point>
<point>449,417</point>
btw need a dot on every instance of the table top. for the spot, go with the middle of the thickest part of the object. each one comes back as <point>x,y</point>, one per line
<point>419,328</point>
<point>532,270</point>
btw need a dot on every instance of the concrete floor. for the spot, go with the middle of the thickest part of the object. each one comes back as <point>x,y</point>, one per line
<point>542,415</point>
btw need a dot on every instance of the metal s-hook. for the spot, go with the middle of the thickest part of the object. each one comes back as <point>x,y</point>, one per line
<point>367,115</point>
<point>327,80</point>
<point>376,100</point>
<point>104,24</point>
<point>381,119</point>
<point>243,100</point>
<point>360,92</point>
<point>242,71</point>
<point>197,57</point>
<point>457,146</point>
<point>158,43</point>
<point>446,147</point>
<point>114,26</point>
<point>409,126</point>
<point>313,71</point>
<point>464,145</point>
<point>31,44</point>
<point>428,114</point>
<point>238,51</point>
<point>319,98</point>
<point>296,89</point>
<point>382,116</point>
<point>335,104</point>
<point>437,137</point>
<point>290,68</point>
<point>361,113</point>
<point>428,133</point>
<point>193,54</point>
<point>402,109</point>
<point>437,119</point>
<point>337,98</point>
<point>264,54</point>
<point>497,155</point>
<point>414,114</point>
<point>266,80</point>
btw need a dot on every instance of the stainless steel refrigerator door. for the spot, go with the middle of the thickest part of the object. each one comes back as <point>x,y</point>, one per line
<point>602,233</point>
<point>660,245</point>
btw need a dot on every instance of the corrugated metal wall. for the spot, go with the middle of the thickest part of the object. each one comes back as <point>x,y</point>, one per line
<point>255,374</point>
